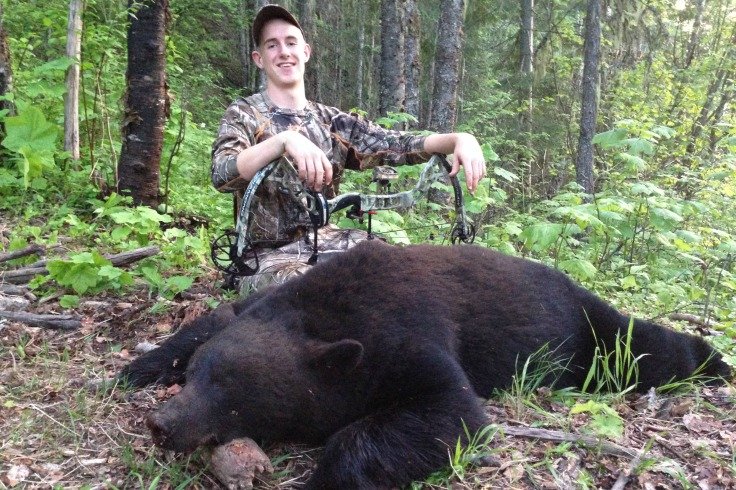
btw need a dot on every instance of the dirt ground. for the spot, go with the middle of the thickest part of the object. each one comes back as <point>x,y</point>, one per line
<point>63,429</point>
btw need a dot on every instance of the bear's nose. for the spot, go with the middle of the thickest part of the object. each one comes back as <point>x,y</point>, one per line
<point>159,429</point>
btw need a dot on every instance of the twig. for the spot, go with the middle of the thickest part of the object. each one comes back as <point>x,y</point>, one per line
<point>32,249</point>
<point>559,436</point>
<point>624,476</point>
<point>695,320</point>
<point>57,322</point>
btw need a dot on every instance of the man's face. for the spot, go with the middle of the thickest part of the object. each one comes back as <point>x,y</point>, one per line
<point>282,54</point>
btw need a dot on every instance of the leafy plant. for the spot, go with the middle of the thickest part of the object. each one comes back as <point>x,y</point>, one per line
<point>33,141</point>
<point>88,272</point>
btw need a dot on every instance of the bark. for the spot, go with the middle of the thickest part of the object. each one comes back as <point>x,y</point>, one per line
<point>412,57</point>
<point>526,65</point>
<point>146,103</point>
<point>57,322</point>
<point>391,97</point>
<point>30,250</point>
<point>589,102</point>
<point>306,19</point>
<point>245,45</point>
<point>6,72</point>
<point>695,34</point>
<point>447,65</point>
<point>359,76</point>
<point>71,97</point>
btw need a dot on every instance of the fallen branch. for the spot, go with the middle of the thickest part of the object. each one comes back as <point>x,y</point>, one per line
<point>695,320</point>
<point>625,476</point>
<point>33,249</point>
<point>58,322</point>
<point>25,274</point>
<point>13,290</point>
<point>559,436</point>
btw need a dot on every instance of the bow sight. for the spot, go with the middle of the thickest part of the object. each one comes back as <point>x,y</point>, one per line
<point>236,254</point>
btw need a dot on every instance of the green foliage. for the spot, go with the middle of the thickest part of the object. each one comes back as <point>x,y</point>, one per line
<point>139,225</point>
<point>33,141</point>
<point>87,272</point>
<point>168,287</point>
<point>604,420</point>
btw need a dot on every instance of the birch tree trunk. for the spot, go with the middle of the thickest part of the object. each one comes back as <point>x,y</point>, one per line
<point>412,57</point>
<point>71,97</point>
<point>146,103</point>
<point>391,96</point>
<point>589,103</point>
<point>526,66</point>
<point>447,65</point>
<point>359,76</point>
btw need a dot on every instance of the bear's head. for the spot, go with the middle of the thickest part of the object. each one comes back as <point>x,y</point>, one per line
<point>265,383</point>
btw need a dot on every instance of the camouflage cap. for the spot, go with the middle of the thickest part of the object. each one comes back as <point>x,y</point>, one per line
<point>268,13</point>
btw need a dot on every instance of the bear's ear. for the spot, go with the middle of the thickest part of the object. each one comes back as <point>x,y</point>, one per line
<point>337,357</point>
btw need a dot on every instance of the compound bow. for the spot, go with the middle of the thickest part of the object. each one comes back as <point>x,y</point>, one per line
<point>235,253</point>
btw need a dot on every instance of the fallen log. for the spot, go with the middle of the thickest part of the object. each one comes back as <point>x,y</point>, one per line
<point>25,274</point>
<point>57,322</point>
<point>32,249</point>
<point>13,290</point>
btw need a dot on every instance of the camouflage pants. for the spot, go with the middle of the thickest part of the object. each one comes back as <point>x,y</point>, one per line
<point>278,265</point>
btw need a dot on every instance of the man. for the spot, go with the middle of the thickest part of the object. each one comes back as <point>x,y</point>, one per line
<point>321,141</point>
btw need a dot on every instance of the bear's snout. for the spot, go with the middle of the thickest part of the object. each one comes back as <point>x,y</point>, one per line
<point>160,430</point>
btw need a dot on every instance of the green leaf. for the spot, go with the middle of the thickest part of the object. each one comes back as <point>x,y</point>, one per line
<point>177,284</point>
<point>634,161</point>
<point>69,301</point>
<point>610,138</point>
<point>505,174</point>
<point>637,146</point>
<point>541,235</point>
<point>30,129</point>
<point>488,153</point>
<point>628,282</point>
<point>580,268</point>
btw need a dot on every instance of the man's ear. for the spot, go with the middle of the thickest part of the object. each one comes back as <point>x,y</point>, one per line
<point>256,55</point>
<point>339,357</point>
<point>307,52</point>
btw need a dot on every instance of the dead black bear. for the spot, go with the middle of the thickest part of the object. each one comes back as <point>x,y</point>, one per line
<point>382,354</point>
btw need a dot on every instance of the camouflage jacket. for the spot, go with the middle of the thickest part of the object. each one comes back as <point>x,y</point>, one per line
<point>349,141</point>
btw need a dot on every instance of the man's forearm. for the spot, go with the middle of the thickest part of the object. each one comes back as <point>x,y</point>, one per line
<point>443,142</point>
<point>255,157</point>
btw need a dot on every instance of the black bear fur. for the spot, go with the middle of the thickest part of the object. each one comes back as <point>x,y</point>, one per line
<point>382,354</point>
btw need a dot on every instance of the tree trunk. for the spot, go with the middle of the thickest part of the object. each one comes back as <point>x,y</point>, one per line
<point>359,76</point>
<point>589,102</point>
<point>526,66</point>
<point>447,65</point>
<point>146,103</point>
<point>306,19</point>
<point>412,57</point>
<point>71,97</point>
<point>6,72</point>
<point>245,46</point>
<point>391,98</point>
<point>695,33</point>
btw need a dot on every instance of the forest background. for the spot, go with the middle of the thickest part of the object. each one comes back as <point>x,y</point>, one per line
<point>608,128</point>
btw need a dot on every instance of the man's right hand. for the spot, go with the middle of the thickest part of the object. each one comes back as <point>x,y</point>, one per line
<point>314,168</point>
